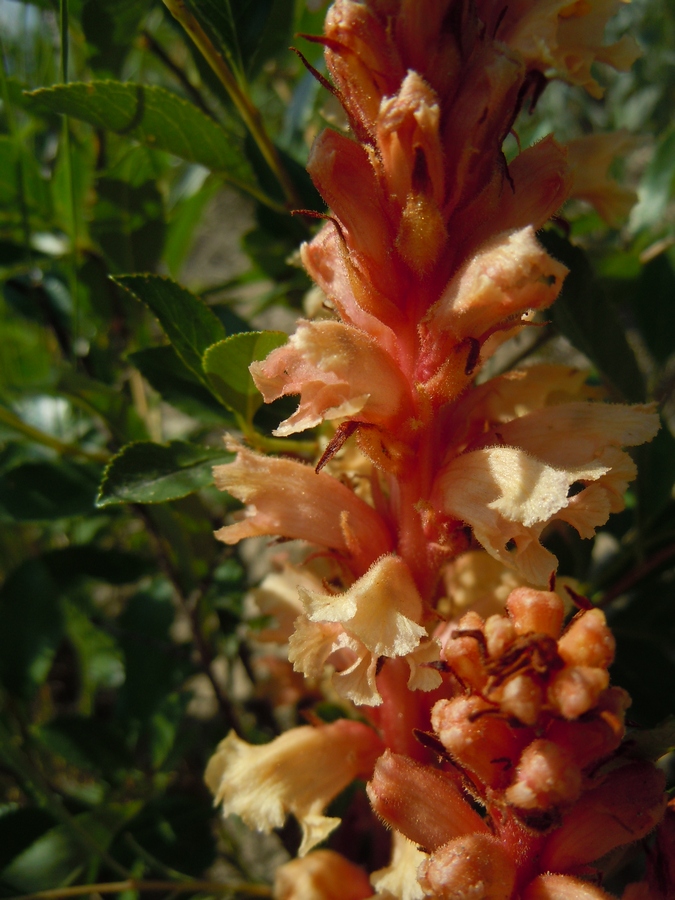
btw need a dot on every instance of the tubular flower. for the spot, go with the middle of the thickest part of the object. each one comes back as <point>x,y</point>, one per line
<point>378,616</point>
<point>264,783</point>
<point>429,261</point>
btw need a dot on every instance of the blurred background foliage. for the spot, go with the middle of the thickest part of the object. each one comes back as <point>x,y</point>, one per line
<point>123,660</point>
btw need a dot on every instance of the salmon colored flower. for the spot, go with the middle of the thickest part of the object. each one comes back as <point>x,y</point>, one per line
<point>289,499</point>
<point>339,372</point>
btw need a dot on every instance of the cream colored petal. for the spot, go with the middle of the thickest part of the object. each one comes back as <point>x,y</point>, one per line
<point>381,609</point>
<point>299,772</point>
<point>357,683</point>
<point>573,434</point>
<point>580,42</point>
<point>509,275</point>
<point>508,497</point>
<point>590,158</point>
<point>422,676</point>
<point>311,644</point>
<point>277,596</point>
<point>398,881</point>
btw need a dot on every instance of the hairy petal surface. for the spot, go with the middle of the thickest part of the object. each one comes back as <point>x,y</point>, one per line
<point>289,499</point>
<point>264,783</point>
<point>338,371</point>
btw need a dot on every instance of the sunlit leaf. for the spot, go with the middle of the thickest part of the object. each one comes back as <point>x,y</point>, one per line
<point>153,473</point>
<point>187,321</point>
<point>152,115</point>
<point>226,365</point>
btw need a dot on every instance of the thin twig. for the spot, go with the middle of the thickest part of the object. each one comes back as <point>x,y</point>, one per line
<point>133,884</point>
<point>156,48</point>
<point>40,437</point>
<point>248,112</point>
<point>630,579</point>
<point>204,653</point>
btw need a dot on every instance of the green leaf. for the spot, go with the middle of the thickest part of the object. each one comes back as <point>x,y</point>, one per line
<point>129,224</point>
<point>89,744</point>
<point>111,405</point>
<point>247,32</point>
<point>31,611</point>
<point>109,27</point>
<point>226,365</point>
<point>654,307</point>
<point>32,626</point>
<point>155,665</point>
<point>176,384</point>
<point>187,321</point>
<point>585,316</point>
<point>144,472</point>
<point>44,490</point>
<point>217,19</point>
<point>153,115</point>
<point>19,828</point>
<point>58,856</point>
<point>657,185</point>
<point>186,216</point>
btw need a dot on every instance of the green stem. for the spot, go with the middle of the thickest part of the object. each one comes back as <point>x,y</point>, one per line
<point>40,437</point>
<point>133,884</point>
<point>248,112</point>
<point>68,162</point>
<point>13,133</point>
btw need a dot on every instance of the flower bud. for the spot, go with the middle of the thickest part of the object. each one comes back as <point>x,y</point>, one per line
<point>576,689</point>
<point>546,777</point>
<point>521,698</point>
<point>499,634</point>
<point>478,739</point>
<point>468,868</point>
<point>562,887</point>
<point>463,651</point>
<point>420,802</point>
<point>322,875</point>
<point>541,612</point>
<point>588,641</point>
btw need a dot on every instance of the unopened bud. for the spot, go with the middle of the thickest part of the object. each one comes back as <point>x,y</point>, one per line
<point>420,802</point>
<point>576,689</point>
<point>462,651</point>
<point>563,887</point>
<point>588,641</point>
<point>499,635</point>
<point>546,777</point>
<point>322,875</point>
<point>521,698</point>
<point>468,868</point>
<point>541,612</point>
<point>478,737</point>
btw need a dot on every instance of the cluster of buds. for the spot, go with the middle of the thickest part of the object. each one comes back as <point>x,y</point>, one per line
<point>429,261</point>
<point>531,740</point>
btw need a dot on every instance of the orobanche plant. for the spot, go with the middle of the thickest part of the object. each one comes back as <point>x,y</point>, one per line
<point>426,353</point>
<point>488,731</point>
